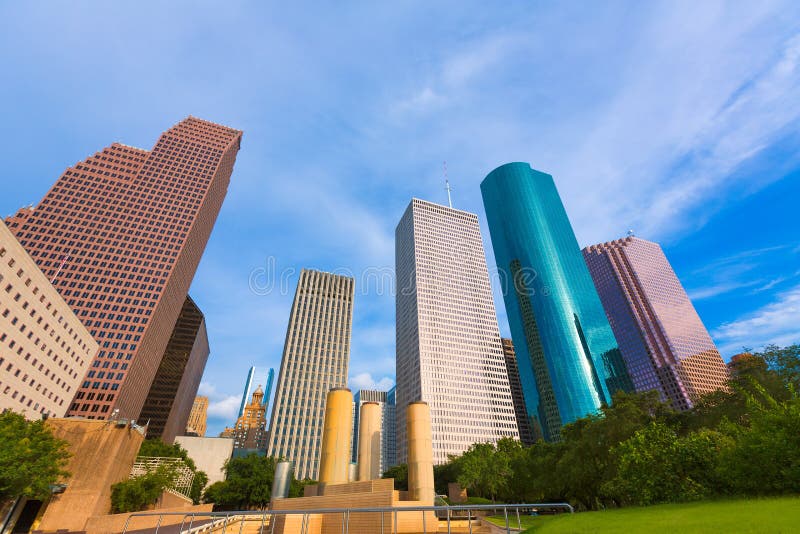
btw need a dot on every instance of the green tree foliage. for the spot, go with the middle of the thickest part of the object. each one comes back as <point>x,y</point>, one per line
<point>445,474</point>
<point>400,475</point>
<point>485,469</point>
<point>766,457</point>
<point>297,487</point>
<point>157,448</point>
<point>248,484</point>
<point>742,440</point>
<point>198,483</point>
<point>31,458</point>
<point>138,493</point>
<point>656,466</point>
<point>785,362</point>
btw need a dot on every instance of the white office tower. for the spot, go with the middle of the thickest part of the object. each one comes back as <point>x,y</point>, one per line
<point>315,360</point>
<point>448,343</point>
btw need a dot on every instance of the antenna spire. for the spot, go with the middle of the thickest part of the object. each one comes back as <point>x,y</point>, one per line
<point>447,185</point>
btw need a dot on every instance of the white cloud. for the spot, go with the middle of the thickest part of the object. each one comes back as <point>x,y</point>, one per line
<point>423,100</point>
<point>366,381</point>
<point>777,322</point>
<point>207,389</point>
<point>718,289</point>
<point>226,408</point>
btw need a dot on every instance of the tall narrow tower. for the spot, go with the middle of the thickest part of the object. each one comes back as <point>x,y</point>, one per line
<point>124,231</point>
<point>448,342</point>
<point>172,393</point>
<point>569,362</point>
<point>662,339</point>
<point>316,357</point>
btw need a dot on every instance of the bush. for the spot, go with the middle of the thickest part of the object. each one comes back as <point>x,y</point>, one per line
<point>136,494</point>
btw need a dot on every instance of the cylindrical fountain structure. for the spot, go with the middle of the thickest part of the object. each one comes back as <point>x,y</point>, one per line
<point>334,462</point>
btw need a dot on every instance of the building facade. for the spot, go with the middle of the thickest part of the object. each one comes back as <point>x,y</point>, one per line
<point>174,388</point>
<point>122,233</point>
<point>448,341</point>
<point>44,348</point>
<point>250,430</point>
<point>316,357</point>
<point>252,377</point>
<point>390,429</point>
<point>388,422</point>
<point>569,362</point>
<point>523,423</point>
<point>664,343</point>
<point>198,417</point>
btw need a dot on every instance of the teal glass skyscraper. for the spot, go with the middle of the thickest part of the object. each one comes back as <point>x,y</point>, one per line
<point>569,362</point>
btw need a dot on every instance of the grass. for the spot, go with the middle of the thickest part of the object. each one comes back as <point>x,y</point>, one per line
<point>777,515</point>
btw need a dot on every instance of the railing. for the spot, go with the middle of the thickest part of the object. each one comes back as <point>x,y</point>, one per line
<point>214,520</point>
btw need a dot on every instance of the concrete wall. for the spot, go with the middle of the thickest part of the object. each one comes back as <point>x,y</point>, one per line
<point>354,495</point>
<point>102,454</point>
<point>209,454</point>
<point>113,524</point>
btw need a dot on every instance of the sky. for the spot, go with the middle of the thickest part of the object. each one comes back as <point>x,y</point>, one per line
<point>678,120</point>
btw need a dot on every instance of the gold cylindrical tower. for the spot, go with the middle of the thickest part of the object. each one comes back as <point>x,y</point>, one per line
<point>334,462</point>
<point>420,453</point>
<point>369,441</point>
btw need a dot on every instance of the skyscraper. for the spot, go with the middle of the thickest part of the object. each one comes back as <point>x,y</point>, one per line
<point>252,377</point>
<point>250,431</point>
<point>664,343</point>
<point>390,429</point>
<point>388,422</point>
<point>569,362</point>
<point>121,234</point>
<point>521,413</point>
<point>174,387</point>
<point>448,342</point>
<point>198,417</point>
<point>316,356</point>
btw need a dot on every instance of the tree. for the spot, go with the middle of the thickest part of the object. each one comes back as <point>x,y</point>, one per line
<point>198,483</point>
<point>444,474</point>
<point>656,465</point>
<point>247,484</point>
<point>296,488</point>
<point>136,494</point>
<point>155,447</point>
<point>31,458</point>
<point>785,362</point>
<point>400,475</point>
<point>485,468</point>
<point>586,462</point>
<point>766,457</point>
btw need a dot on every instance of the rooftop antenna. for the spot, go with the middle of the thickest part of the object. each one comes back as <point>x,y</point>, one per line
<point>447,186</point>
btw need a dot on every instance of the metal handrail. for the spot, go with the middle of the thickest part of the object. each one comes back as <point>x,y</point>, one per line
<point>346,512</point>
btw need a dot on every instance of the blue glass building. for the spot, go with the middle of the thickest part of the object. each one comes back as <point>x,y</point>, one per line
<point>569,362</point>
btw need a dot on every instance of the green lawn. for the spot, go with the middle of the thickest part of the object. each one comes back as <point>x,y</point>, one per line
<point>778,515</point>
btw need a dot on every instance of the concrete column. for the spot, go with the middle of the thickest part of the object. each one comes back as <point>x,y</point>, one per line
<point>282,480</point>
<point>334,462</point>
<point>369,441</point>
<point>420,453</point>
<point>352,472</point>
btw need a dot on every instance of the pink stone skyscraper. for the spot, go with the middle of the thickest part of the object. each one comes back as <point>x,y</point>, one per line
<point>121,234</point>
<point>664,343</point>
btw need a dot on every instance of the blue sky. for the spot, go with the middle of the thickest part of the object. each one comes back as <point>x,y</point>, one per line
<point>677,119</point>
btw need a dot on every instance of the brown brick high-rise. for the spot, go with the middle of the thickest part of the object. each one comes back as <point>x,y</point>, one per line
<point>122,233</point>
